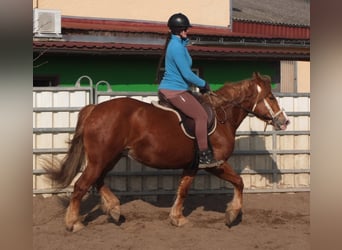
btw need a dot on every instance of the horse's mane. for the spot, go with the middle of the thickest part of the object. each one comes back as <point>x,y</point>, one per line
<point>238,91</point>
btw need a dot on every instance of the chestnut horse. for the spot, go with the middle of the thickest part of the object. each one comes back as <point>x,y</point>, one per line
<point>125,126</point>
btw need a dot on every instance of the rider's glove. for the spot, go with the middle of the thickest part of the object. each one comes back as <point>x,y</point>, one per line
<point>205,88</point>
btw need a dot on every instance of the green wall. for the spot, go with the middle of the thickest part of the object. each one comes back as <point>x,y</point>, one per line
<point>219,72</point>
<point>133,73</point>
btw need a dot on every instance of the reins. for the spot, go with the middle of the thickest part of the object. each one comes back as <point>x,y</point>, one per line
<point>211,93</point>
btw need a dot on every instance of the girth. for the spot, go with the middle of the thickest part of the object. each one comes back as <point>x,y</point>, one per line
<point>188,124</point>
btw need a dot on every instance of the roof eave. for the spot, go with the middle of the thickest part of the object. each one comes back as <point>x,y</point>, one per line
<point>302,56</point>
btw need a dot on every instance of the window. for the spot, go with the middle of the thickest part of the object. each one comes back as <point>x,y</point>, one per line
<point>45,81</point>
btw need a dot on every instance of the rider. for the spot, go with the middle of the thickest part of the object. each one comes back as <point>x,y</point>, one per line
<point>175,85</point>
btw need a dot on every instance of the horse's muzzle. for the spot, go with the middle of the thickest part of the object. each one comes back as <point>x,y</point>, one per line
<point>280,123</point>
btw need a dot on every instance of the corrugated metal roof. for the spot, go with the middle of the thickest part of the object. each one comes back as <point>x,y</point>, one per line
<point>207,51</point>
<point>94,46</point>
<point>240,28</point>
<point>81,24</point>
<point>271,30</point>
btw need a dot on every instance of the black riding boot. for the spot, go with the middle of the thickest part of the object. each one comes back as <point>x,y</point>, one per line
<point>206,160</point>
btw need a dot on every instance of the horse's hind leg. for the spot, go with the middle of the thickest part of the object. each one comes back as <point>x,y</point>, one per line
<point>110,203</point>
<point>82,185</point>
<point>226,172</point>
<point>176,214</point>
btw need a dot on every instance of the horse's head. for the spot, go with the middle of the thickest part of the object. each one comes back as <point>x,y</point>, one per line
<point>266,106</point>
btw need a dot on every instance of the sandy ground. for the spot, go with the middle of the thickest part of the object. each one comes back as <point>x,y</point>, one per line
<point>269,221</point>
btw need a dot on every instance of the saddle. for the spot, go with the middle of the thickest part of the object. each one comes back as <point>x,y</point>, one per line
<point>188,124</point>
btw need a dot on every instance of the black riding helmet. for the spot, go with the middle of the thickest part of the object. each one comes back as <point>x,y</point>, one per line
<point>178,22</point>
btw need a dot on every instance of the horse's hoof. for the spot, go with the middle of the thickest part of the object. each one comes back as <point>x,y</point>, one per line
<point>75,228</point>
<point>232,217</point>
<point>178,222</point>
<point>115,214</point>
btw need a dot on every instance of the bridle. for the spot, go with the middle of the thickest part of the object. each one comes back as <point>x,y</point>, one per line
<point>267,119</point>
<point>268,106</point>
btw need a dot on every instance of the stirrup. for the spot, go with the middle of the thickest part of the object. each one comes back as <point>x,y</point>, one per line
<point>206,160</point>
<point>210,165</point>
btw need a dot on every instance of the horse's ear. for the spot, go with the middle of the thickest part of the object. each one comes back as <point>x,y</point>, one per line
<point>268,78</point>
<point>256,75</point>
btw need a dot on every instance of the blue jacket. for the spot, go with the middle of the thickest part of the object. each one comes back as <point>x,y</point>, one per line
<point>178,74</point>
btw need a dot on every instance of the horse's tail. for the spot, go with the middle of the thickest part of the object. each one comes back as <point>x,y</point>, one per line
<point>75,158</point>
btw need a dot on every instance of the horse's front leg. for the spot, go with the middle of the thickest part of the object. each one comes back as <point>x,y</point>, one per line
<point>226,172</point>
<point>176,214</point>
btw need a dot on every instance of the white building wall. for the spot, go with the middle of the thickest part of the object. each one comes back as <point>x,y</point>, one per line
<point>204,12</point>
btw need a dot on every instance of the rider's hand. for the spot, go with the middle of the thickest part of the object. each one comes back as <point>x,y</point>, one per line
<point>205,89</point>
